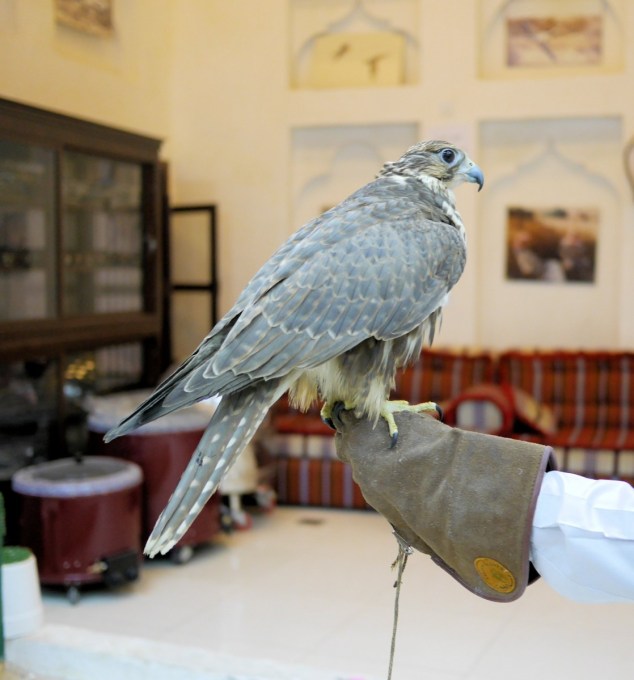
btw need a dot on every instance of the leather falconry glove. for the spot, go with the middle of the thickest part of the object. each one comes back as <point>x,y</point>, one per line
<point>464,498</point>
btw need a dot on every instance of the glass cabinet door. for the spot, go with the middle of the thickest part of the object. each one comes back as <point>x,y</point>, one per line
<point>81,296</point>
<point>102,235</point>
<point>28,284</point>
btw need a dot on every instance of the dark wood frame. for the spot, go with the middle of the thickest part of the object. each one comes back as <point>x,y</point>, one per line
<point>55,338</point>
<point>58,132</point>
<point>211,287</point>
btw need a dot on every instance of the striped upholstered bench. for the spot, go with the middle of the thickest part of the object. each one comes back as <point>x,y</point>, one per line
<point>592,397</point>
<point>306,467</point>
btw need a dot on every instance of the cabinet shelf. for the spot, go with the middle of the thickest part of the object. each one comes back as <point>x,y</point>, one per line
<point>40,338</point>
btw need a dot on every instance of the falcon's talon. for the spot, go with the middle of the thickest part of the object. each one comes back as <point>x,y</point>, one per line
<point>337,408</point>
<point>400,405</point>
<point>331,410</point>
<point>326,415</point>
<point>441,413</point>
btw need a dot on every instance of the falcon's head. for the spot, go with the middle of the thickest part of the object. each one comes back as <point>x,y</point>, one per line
<point>440,160</point>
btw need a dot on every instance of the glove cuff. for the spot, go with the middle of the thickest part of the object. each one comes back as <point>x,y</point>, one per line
<point>466,499</point>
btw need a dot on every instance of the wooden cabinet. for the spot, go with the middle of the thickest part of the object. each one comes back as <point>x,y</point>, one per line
<point>80,279</point>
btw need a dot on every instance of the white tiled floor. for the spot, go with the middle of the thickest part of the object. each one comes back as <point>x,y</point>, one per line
<point>319,593</point>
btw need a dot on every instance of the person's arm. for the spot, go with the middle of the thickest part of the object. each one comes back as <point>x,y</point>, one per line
<point>582,539</point>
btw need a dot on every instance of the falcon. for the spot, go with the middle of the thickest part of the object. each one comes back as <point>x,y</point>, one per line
<point>349,299</point>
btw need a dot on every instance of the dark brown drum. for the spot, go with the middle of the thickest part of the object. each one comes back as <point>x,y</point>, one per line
<point>82,519</point>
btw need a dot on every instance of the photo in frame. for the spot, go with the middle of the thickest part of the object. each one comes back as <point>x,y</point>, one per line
<point>521,39</point>
<point>552,245</point>
<point>88,16</point>
<point>543,41</point>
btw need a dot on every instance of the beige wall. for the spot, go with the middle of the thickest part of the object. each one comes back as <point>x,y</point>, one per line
<point>237,120</point>
<point>229,142</point>
<point>211,77</point>
<point>120,81</point>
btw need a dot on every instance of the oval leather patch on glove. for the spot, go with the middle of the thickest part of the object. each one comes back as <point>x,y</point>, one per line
<point>495,575</point>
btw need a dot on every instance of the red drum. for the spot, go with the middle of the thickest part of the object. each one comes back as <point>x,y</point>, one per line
<point>162,449</point>
<point>82,519</point>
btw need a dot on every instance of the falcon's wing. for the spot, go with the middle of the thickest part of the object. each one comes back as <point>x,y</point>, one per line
<point>377,266</point>
<point>382,281</point>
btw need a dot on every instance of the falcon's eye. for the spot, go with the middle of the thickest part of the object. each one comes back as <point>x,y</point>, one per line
<point>448,155</point>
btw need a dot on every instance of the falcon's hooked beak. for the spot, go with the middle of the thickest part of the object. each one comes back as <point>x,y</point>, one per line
<point>470,172</point>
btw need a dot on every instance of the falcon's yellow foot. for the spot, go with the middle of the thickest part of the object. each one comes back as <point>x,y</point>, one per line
<point>392,407</point>
<point>331,407</point>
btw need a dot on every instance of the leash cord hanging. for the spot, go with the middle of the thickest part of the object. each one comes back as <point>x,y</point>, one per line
<point>404,551</point>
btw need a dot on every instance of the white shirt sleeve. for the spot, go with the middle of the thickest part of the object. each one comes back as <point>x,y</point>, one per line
<point>582,540</point>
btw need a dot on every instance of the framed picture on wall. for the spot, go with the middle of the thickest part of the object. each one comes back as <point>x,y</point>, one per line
<point>553,245</point>
<point>544,38</point>
<point>88,16</point>
<point>554,41</point>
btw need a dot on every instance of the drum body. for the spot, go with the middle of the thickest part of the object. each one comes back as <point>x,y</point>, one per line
<point>82,519</point>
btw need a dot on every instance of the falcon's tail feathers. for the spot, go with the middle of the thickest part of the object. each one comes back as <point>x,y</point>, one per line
<point>154,406</point>
<point>231,428</point>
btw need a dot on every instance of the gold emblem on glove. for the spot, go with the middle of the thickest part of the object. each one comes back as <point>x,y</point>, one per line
<point>495,575</point>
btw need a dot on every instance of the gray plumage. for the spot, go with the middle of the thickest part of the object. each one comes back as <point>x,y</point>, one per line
<point>346,301</point>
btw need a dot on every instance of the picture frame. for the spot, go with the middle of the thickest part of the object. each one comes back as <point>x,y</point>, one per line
<point>94,17</point>
<point>549,38</point>
<point>552,245</point>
